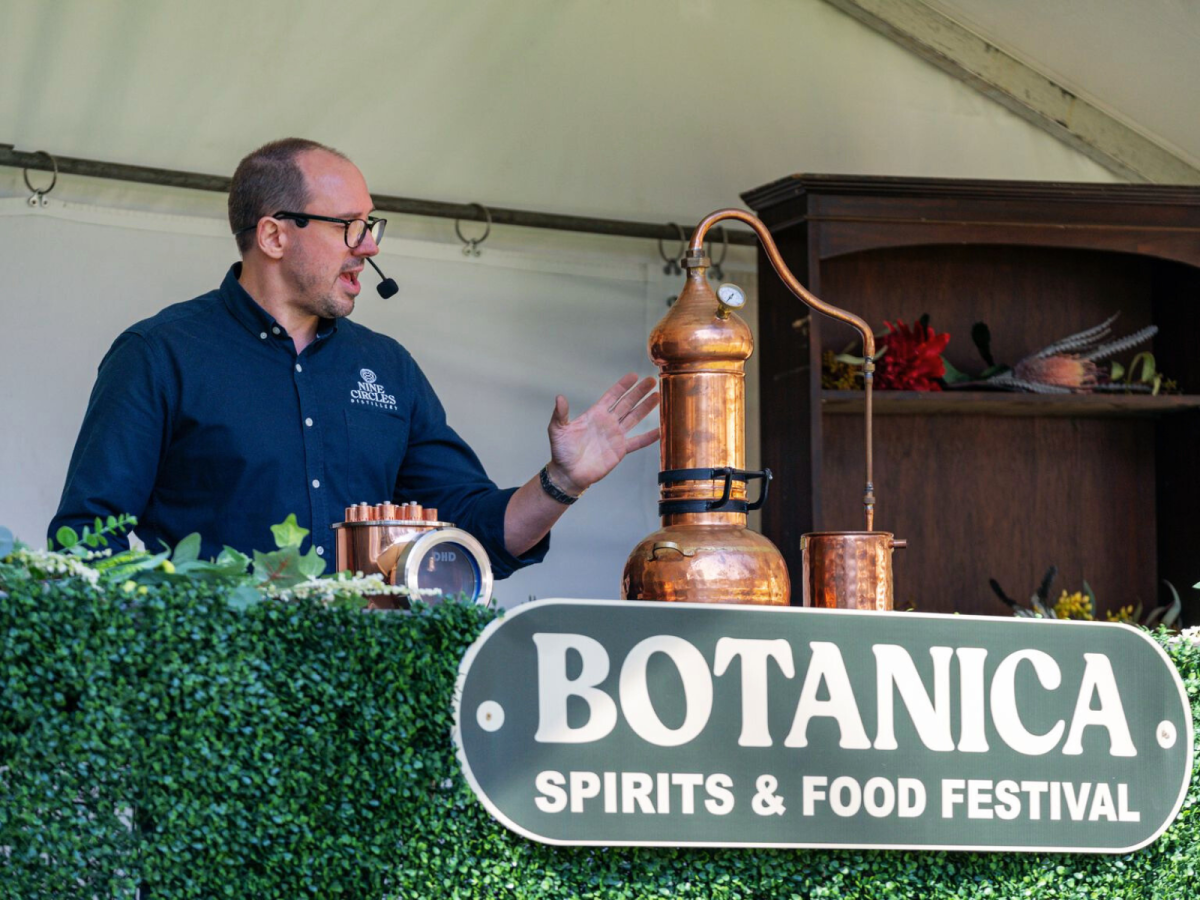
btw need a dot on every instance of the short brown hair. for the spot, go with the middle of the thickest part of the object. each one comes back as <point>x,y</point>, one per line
<point>267,181</point>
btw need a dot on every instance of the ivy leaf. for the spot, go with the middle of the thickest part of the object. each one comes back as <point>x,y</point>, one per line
<point>288,533</point>
<point>187,550</point>
<point>311,565</point>
<point>6,542</point>
<point>243,597</point>
<point>280,567</point>
<point>233,560</point>
<point>229,566</point>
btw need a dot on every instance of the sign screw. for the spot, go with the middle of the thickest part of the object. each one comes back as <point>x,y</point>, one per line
<point>490,715</point>
<point>1166,735</point>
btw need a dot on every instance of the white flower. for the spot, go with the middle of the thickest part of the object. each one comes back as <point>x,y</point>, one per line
<point>48,564</point>
<point>1191,635</point>
<point>343,584</point>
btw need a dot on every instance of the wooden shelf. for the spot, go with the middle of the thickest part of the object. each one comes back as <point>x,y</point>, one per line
<point>988,484</point>
<point>1005,403</point>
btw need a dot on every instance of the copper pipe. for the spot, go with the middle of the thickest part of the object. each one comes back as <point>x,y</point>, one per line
<point>696,251</point>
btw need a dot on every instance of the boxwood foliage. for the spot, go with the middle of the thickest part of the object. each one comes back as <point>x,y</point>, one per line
<point>172,744</point>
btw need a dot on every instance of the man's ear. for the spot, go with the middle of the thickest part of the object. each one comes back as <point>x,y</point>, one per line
<point>271,238</point>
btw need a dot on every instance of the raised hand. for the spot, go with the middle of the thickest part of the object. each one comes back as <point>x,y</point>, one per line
<point>585,449</point>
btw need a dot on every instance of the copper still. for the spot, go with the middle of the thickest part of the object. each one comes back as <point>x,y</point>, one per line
<point>704,553</point>
<point>408,546</point>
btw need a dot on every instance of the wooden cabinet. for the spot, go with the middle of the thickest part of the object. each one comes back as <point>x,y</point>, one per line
<point>989,484</point>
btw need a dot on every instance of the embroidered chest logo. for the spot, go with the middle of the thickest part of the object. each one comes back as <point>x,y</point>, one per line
<point>371,393</point>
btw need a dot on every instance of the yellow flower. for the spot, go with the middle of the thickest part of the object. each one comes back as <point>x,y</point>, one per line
<point>1073,606</point>
<point>839,376</point>
<point>1124,614</point>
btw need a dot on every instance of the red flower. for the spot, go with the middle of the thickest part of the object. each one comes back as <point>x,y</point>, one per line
<point>913,360</point>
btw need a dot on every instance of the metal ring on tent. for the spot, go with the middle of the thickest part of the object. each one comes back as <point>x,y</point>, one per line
<point>471,246</point>
<point>672,265</point>
<point>39,194</point>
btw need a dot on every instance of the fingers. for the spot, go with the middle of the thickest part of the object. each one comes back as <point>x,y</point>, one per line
<point>610,397</point>
<point>638,441</point>
<point>639,412</point>
<point>631,398</point>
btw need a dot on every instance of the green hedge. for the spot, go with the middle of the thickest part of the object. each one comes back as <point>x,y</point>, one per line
<point>288,750</point>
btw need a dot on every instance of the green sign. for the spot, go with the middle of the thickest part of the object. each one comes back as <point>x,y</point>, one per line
<point>623,723</point>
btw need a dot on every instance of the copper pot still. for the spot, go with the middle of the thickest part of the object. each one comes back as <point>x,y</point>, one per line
<point>408,546</point>
<point>704,553</point>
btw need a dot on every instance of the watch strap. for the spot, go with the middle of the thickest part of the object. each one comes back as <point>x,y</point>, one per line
<point>553,490</point>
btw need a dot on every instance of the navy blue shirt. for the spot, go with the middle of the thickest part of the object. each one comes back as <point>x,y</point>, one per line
<point>205,419</point>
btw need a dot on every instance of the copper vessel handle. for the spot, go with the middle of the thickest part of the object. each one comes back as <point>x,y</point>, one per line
<point>696,251</point>
<point>669,545</point>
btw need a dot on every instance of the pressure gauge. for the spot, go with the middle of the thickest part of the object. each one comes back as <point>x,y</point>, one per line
<point>732,297</point>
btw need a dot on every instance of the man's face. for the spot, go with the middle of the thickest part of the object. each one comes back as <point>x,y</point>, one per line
<point>321,269</point>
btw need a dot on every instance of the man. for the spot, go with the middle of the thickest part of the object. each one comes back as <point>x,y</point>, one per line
<point>224,414</point>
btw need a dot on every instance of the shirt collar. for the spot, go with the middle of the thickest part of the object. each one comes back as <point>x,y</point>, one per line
<point>252,316</point>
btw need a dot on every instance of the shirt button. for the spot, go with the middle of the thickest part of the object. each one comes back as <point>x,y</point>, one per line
<point>263,335</point>
<point>308,422</point>
<point>275,329</point>
<point>316,483</point>
<point>320,551</point>
<point>299,368</point>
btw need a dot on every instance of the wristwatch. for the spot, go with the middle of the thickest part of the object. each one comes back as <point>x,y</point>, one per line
<point>553,490</point>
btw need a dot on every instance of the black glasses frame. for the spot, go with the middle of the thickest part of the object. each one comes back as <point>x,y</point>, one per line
<point>372,224</point>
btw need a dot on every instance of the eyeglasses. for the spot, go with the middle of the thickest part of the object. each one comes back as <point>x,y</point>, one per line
<point>355,230</point>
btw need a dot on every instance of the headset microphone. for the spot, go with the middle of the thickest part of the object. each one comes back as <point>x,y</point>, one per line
<point>387,287</point>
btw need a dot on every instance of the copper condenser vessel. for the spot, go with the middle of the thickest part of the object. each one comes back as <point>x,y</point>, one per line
<point>408,546</point>
<point>704,553</point>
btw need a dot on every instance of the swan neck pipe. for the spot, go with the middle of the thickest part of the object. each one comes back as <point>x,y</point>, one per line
<point>696,249</point>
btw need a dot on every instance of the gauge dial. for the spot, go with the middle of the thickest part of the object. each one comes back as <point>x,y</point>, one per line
<point>731,295</point>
